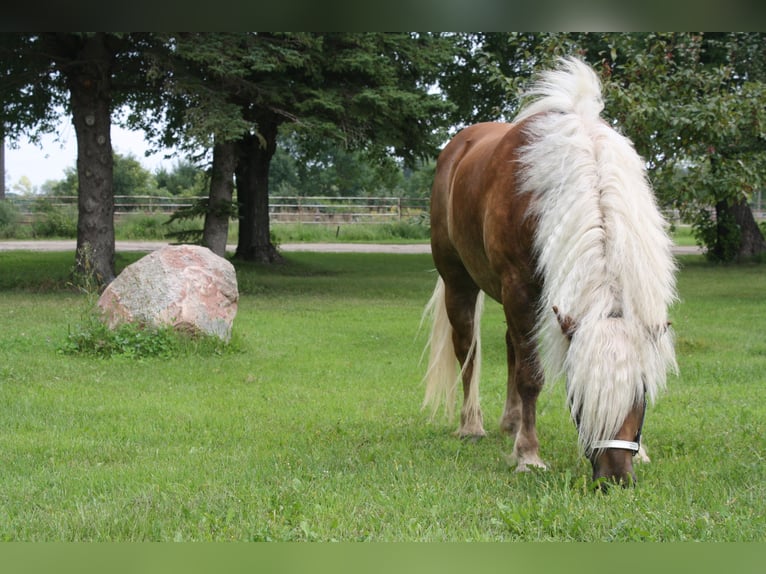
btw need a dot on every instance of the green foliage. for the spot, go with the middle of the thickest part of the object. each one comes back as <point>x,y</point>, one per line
<point>54,221</point>
<point>691,102</point>
<point>335,171</point>
<point>141,226</point>
<point>199,209</point>
<point>184,179</point>
<point>9,219</point>
<point>131,341</point>
<point>153,226</point>
<point>414,230</point>
<point>66,186</point>
<point>130,178</point>
<point>490,70</point>
<point>722,231</point>
<point>31,96</point>
<point>93,338</point>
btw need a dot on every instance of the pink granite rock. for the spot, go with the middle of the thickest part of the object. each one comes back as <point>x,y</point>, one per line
<point>185,286</point>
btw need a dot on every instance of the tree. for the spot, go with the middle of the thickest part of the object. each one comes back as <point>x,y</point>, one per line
<point>89,75</point>
<point>367,92</point>
<point>23,186</point>
<point>200,75</point>
<point>692,104</point>
<point>184,178</point>
<point>2,165</point>
<point>363,91</point>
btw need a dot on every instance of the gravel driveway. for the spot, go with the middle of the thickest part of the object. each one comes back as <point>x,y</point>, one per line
<point>69,245</point>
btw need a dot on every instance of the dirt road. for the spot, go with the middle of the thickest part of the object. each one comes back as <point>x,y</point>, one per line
<point>69,245</point>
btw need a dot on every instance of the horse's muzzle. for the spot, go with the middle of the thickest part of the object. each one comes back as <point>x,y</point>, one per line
<point>613,467</point>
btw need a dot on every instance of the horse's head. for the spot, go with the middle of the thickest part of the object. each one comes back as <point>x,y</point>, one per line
<point>611,458</point>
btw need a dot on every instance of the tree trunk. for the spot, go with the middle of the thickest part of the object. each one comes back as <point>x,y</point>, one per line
<point>752,243</point>
<point>252,172</point>
<point>89,82</point>
<point>738,236</point>
<point>216,229</point>
<point>2,164</point>
<point>726,240</point>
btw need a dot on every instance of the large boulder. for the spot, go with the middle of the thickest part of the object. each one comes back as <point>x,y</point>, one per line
<point>184,286</point>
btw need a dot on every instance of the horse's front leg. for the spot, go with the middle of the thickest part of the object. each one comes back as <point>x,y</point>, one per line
<point>519,417</point>
<point>526,447</point>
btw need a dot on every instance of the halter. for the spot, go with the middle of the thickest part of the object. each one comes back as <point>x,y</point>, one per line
<point>632,446</point>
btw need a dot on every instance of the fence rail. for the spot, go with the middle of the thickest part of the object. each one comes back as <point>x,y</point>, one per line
<point>282,209</point>
<point>289,209</point>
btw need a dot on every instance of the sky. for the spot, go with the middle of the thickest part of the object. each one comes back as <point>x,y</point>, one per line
<point>58,151</point>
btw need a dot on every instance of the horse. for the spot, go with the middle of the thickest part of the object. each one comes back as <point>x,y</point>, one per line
<point>552,216</point>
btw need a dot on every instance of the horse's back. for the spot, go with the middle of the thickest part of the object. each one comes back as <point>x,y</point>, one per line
<point>477,217</point>
<point>468,151</point>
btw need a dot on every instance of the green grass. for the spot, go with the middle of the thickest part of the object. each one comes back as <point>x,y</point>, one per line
<point>311,428</point>
<point>413,230</point>
<point>682,235</point>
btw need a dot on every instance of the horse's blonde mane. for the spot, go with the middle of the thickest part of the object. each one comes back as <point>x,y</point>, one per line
<point>603,253</point>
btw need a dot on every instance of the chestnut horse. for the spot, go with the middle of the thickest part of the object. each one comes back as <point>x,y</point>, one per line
<point>553,217</point>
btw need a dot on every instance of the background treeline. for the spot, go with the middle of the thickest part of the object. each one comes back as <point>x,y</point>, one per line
<point>349,114</point>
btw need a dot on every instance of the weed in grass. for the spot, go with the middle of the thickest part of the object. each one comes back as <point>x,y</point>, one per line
<point>128,340</point>
<point>137,341</point>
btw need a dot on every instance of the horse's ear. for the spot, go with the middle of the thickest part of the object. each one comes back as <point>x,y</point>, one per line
<point>567,324</point>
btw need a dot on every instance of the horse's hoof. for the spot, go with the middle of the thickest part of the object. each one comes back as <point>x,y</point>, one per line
<point>471,437</point>
<point>529,467</point>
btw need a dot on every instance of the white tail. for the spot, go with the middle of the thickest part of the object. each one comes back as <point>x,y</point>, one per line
<point>442,377</point>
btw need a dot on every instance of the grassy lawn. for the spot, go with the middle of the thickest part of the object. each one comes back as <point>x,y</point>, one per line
<point>682,235</point>
<point>309,427</point>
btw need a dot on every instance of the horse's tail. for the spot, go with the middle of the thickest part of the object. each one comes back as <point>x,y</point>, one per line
<point>602,250</point>
<point>442,377</point>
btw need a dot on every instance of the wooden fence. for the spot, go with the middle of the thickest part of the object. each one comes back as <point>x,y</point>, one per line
<point>282,209</point>
<point>290,209</point>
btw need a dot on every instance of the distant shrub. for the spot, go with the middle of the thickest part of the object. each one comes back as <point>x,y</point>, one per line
<point>414,229</point>
<point>9,219</point>
<point>54,220</point>
<point>142,226</point>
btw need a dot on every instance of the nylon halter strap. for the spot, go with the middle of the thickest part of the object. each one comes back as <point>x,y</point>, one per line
<point>632,446</point>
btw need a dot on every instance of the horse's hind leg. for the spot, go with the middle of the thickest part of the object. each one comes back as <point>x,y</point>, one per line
<point>511,420</point>
<point>461,310</point>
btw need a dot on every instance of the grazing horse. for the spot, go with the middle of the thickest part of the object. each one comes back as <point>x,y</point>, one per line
<point>553,217</point>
